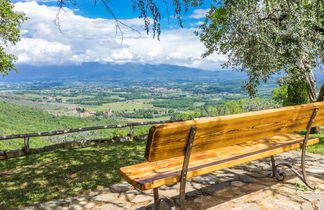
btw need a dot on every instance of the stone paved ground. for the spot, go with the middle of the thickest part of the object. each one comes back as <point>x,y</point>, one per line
<point>245,187</point>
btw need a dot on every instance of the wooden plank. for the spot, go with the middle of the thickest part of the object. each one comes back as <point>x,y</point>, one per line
<point>155,174</point>
<point>169,140</point>
<point>225,151</point>
<point>72,130</point>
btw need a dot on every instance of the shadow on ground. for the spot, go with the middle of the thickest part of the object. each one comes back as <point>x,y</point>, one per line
<point>58,174</point>
<point>236,194</point>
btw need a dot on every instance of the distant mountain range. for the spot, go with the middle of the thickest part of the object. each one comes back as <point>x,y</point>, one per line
<point>129,71</point>
<point>125,72</point>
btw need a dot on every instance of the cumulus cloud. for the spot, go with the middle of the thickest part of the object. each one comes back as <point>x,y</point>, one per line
<point>199,13</point>
<point>81,39</point>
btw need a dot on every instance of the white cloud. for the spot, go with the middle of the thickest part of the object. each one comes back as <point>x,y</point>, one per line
<point>42,51</point>
<point>199,13</point>
<point>198,23</point>
<point>93,40</point>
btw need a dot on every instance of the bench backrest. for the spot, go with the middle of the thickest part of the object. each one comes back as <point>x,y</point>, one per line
<point>170,139</point>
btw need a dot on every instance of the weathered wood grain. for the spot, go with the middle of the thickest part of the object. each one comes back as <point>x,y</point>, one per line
<point>169,140</point>
<point>155,174</point>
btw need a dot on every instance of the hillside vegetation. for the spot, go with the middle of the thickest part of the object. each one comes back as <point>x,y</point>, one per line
<point>16,119</point>
<point>22,119</point>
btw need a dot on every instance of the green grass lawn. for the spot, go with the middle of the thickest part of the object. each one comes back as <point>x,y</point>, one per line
<point>53,175</point>
<point>316,148</point>
<point>58,174</point>
<point>14,144</point>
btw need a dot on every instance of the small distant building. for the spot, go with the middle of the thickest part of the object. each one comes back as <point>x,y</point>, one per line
<point>87,114</point>
<point>74,111</point>
<point>108,112</point>
<point>58,100</point>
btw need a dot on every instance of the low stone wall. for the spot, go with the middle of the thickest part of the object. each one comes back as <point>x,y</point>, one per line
<point>20,152</point>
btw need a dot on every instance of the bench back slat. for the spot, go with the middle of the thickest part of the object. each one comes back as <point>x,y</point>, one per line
<point>169,140</point>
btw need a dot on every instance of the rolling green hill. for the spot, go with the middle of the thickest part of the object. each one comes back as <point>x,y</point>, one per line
<point>22,119</point>
<point>16,119</point>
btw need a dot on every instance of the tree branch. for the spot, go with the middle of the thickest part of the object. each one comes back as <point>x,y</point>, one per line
<point>118,22</point>
<point>148,11</point>
<point>319,29</point>
<point>279,19</point>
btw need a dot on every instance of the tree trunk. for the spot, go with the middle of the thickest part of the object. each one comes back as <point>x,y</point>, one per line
<point>321,94</point>
<point>311,88</point>
<point>311,85</point>
<point>320,98</point>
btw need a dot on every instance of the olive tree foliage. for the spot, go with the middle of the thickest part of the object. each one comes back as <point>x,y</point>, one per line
<point>10,23</point>
<point>263,38</point>
<point>292,94</point>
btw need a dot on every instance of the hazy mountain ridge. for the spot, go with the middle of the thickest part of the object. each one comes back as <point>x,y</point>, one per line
<point>129,71</point>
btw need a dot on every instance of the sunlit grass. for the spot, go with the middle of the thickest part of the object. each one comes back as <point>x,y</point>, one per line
<point>61,173</point>
<point>316,148</point>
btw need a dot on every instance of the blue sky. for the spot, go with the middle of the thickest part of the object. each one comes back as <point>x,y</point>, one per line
<point>88,34</point>
<point>123,10</point>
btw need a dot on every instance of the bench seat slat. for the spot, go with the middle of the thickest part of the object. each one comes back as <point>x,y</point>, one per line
<point>150,175</point>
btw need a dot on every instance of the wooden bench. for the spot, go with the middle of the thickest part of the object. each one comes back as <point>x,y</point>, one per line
<point>180,150</point>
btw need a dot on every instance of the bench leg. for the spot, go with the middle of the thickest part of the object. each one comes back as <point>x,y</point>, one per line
<point>275,172</point>
<point>183,193</point>
<point>156,199</point>
<point>185,165</point>
<point>281,176</point>
<point>303,176</point>
<point>183,178</point>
